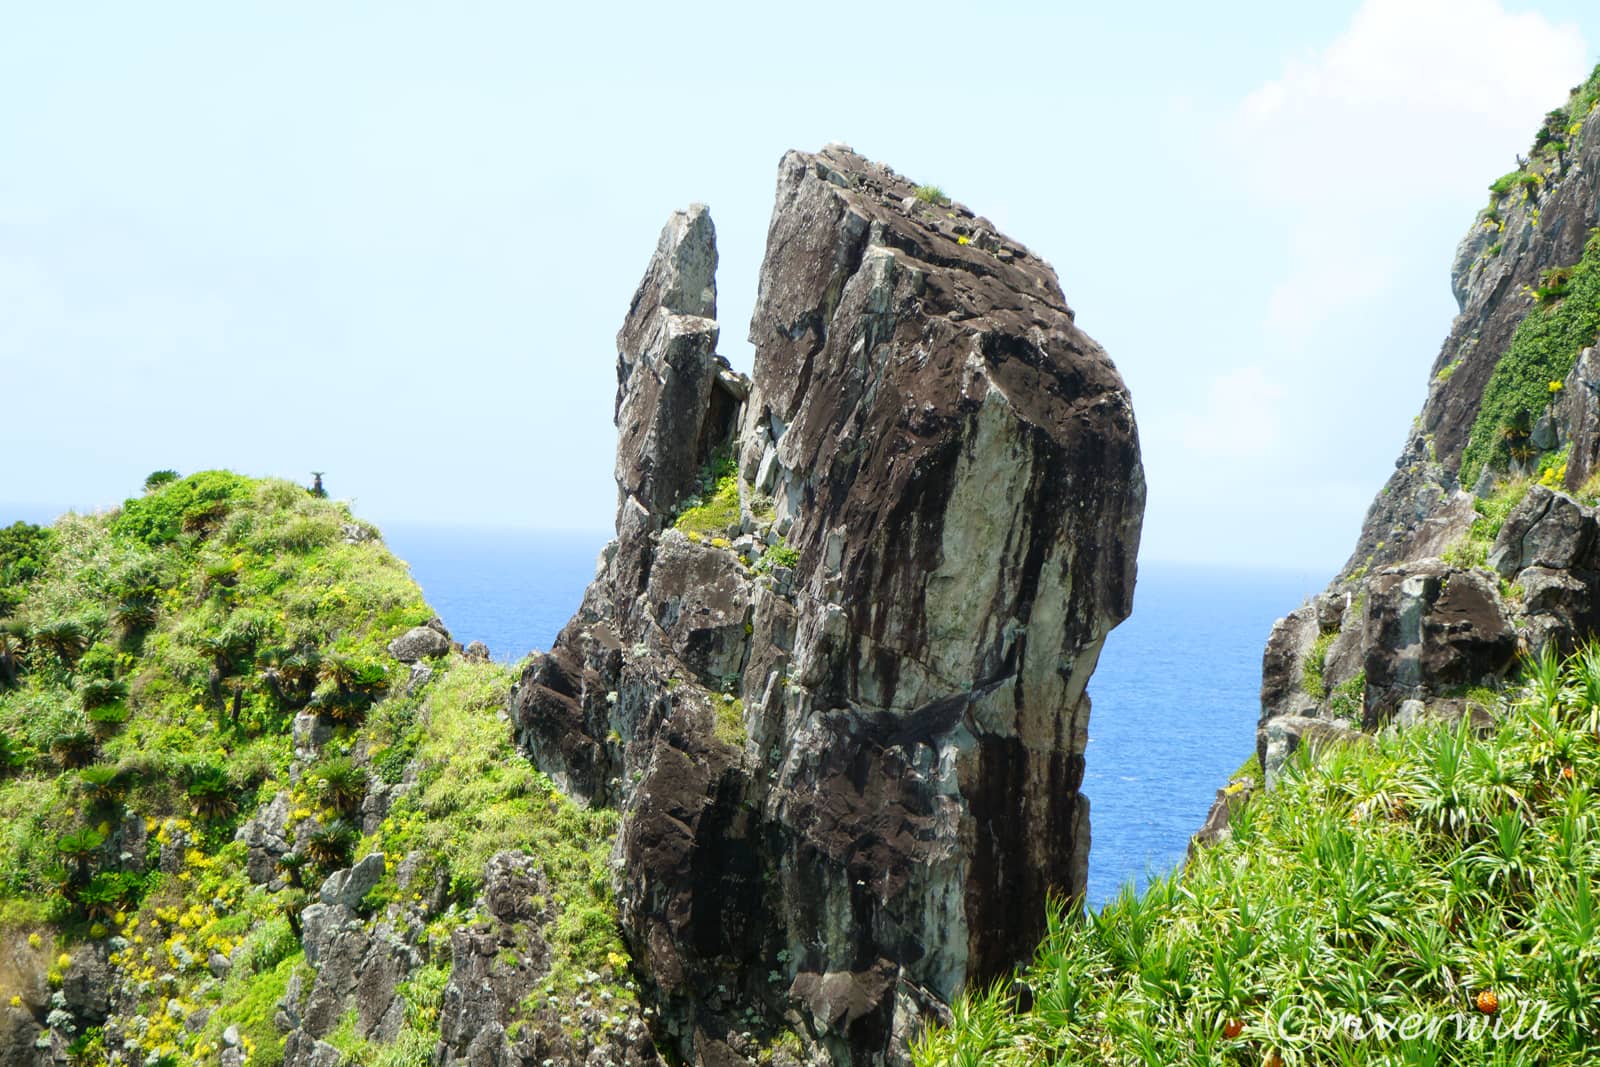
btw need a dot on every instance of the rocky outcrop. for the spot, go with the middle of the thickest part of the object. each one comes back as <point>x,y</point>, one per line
<point>356,965</point>
<point>493,1014</point>
<point>1445,588</point>
<point>832,668</point>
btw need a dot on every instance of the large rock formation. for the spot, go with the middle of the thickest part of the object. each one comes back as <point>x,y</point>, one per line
<point>832,668</point>
<point>1475,550</point>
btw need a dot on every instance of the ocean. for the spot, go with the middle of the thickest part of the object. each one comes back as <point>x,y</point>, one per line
<point>1175,695</point>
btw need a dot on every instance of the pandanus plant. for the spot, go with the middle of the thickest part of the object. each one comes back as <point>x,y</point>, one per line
<point>329,846</point>
<point>73,749</point>
<point>106,720</point>
<point>102,784</point>
<point>13,643</point>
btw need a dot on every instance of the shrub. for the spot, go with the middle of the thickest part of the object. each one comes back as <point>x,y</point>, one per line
<point>191,504</point>
<point>931,194</point>
<point>24,552</point>
<point>156,479</point>
<point>342,784</point>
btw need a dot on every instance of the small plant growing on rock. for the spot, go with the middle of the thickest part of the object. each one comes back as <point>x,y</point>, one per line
<point>329,846</point>
<point>931,194</point>
<point>342,784</point>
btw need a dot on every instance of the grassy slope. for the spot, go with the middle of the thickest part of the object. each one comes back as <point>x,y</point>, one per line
<point>1402,878</point>
<point>160,654</point>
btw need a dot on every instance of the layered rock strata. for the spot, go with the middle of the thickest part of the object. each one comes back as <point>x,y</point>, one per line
<point>832,669</point>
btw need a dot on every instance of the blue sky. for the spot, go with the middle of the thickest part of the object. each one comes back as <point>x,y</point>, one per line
<point>394,242</point>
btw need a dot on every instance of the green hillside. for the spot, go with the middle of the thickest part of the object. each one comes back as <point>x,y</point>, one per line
<point>153,660</point>
<point>1431,875</point>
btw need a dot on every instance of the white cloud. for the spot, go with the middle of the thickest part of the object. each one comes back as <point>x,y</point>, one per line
<point>1410,110</point>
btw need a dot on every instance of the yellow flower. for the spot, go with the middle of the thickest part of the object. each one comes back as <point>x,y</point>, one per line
<point>963,240</point>
<point>1555,387</point>
<point>16,1001</point>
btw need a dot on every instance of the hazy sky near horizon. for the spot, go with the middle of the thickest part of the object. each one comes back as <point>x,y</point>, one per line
<point>394,241</point>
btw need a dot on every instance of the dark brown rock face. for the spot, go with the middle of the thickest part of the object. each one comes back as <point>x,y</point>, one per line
<point>841,702</point>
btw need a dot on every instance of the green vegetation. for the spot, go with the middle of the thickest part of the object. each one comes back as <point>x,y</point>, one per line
<point>778,555</point>
<point>729,728</point>
<point>152,662</point>
<point>1348,699</point>
<point>1492,511</point>
<point>714,511</point>
<point>1315,663</point>
<point>1433,876</point>
<point>931,194</point>
<point>1542,351</point>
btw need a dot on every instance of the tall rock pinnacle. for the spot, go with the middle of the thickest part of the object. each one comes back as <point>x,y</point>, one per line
<point>832,669</point>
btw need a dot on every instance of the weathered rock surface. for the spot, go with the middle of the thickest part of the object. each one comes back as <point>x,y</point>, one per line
<point>845,729</point>
<point>499,964</point>
<point>419,643</point>
<point>24,968</point>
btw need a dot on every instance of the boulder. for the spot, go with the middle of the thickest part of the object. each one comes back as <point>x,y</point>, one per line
<point>348,888</point>
<point>266,837</point>
<point>419,643</point>
<point>1286,734</point>
<point>1227,803</point>
<point>1547,529</point>
<point>1430,627</point>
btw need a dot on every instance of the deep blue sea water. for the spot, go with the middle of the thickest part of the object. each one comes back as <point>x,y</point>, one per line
<point>1175,696</point>
<point>1175,702</point>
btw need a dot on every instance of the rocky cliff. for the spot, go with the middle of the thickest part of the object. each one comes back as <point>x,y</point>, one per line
<point>832,669</point>
<point>1483,544</point>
